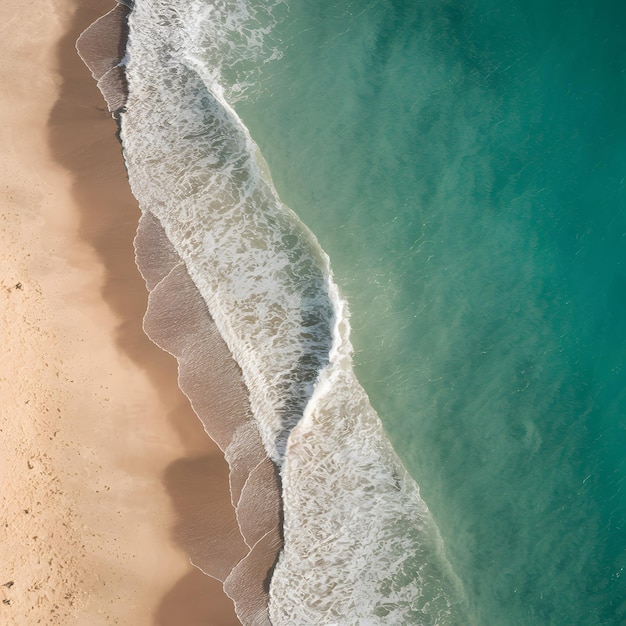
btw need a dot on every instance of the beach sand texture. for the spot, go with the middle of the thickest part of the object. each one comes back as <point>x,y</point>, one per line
<point>106,471</point>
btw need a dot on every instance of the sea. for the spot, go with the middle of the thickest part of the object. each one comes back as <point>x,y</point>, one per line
<point>408,221</point>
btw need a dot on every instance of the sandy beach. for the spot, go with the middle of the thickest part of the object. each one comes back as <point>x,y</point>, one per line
<point>99,445</point>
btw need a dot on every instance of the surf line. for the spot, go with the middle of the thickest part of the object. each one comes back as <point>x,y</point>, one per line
<point>242,558</point>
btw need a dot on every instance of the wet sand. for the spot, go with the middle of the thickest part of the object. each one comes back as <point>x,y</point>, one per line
<point>102,455</point>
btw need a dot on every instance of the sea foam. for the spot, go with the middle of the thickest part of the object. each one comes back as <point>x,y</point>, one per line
<point>360,545</point>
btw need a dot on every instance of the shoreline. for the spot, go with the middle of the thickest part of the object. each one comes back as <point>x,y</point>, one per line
<point>92,418</point>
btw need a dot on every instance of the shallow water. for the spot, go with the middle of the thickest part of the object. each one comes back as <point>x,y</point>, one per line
<point>463,167</point>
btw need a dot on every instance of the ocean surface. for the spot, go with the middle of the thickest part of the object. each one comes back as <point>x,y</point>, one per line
<point>408,221</point>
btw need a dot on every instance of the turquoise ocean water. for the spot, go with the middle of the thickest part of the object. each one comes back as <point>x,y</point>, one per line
<point>463,164</point>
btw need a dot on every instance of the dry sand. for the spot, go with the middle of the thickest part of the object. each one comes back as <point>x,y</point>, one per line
<point>97,443</point>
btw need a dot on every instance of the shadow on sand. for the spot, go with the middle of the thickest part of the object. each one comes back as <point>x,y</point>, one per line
<point>82,139</point>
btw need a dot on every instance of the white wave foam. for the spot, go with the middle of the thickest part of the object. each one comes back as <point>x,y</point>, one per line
<point>250,257</point>
<point>360,544</point>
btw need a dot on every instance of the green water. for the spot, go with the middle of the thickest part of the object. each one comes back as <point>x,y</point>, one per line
<point>464,164</point>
